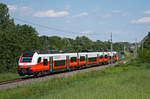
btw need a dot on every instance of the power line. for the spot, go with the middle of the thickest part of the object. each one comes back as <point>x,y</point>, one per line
<point>68,33</point>
<point>44,26</point>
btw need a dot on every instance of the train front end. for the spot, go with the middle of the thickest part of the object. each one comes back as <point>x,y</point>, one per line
<point>26,62</point>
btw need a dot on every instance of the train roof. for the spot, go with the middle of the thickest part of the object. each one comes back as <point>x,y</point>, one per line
<point>62,52</point>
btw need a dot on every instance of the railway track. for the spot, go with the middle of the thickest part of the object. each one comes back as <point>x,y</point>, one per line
<point>10,81</point>
<point>28,80</point>
<point>14,80</point>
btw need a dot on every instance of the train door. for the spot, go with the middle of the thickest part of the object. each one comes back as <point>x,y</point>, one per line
<point>67,58</point>
<point>51,64</point>
<point>98,59</point>
<point>86,59</point>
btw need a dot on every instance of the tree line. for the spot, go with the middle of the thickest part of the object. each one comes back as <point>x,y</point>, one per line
<point>144,52</point>
<point>15,39</point>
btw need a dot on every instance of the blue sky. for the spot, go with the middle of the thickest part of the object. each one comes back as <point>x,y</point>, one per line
<point>128,20</point>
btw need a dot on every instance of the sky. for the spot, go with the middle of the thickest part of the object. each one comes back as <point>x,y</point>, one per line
<point>128,20</point>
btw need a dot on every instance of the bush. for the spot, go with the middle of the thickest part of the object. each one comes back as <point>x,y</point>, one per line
<point>144,56</point>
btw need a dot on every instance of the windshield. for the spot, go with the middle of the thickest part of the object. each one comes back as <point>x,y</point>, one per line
<point>27,57</point>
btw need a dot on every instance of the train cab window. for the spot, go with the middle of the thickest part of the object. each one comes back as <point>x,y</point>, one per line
<point>105,56</point>
<point>39,60</point>
<point>26,59</point>
<point>101,57</point>
<point>27,56</point>
<point>45,62</point>
<point>73,59</point>
<point>82,58</point>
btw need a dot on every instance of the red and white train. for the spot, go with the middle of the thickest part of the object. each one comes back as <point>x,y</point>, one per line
<point>39,62</point>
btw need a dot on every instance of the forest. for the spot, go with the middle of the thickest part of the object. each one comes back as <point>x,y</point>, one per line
<point>16,39</point>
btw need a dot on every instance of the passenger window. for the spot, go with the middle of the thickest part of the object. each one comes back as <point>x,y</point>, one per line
<point>82,58</point>
<point>110,57</point>
<point>39,59</point>
<point>101,57</point>
<point>45,62</point>
<point>60,63</point>
<point>73,59</point>
<point>92,59</point>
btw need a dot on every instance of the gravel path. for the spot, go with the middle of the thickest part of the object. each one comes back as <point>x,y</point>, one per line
<point>48,77</point>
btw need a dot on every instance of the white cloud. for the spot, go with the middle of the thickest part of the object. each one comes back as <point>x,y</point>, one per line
<point>125,14</point>
<point>25,10</point>
<point>106,16</point>
<point>68,21</point>
<point>87,32</point>
<point>142,20</point>
<point>116,11</point>
<point>21,10</point>
<point>80,15</point>
<point>147,12</point>
<point>51,14</point>
<point>96,10</point>
<point>148,27</point>
<point>102,23</point>
<point>12,7</point>
<point>67,7</point>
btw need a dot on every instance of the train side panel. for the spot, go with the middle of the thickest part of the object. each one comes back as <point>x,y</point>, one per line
<point>50,62</point>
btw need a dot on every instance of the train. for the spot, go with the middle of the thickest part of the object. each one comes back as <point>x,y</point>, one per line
<point>43,62</point>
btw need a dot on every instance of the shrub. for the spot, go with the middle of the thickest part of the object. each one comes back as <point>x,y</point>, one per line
<point>144,55</point>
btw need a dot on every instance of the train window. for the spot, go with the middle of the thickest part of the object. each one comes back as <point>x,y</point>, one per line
<point>73,59</point>
<point>60,63</point>
<point>82,58</point>
<point>28,54</point>
<point>101,57</point>
<point>105,56</point>
<point>45,62</point>
<point>110,57</point>
<point>92,59</point>
<point>39,59</point>
<point>26,59</point>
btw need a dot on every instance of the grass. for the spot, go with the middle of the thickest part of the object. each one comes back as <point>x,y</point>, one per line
<point>125,81</point>
<point>8,76</point>
<point>127,55</point>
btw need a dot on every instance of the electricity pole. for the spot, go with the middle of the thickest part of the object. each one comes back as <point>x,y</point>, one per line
<point>135,50</point>
<point>111,46</point>
<point>124,49</point>
<point>142,45</point>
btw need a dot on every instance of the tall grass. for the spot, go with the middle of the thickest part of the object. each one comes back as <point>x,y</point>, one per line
<point>8,76</point>
<point>144,55</point>
<point>125,81</point>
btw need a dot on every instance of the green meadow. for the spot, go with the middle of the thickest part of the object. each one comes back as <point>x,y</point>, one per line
<point>8,76</point>
<point>124,81</point>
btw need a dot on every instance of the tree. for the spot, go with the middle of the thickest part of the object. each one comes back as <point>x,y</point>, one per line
<point>147,42</point>
<point>6,24</point>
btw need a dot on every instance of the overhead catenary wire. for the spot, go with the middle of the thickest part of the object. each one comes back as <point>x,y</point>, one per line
<point>44,26</point>
<point>52,28</point>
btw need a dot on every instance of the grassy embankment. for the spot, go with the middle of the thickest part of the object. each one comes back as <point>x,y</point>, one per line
<point>125,81</point>
<point>8,76</point>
